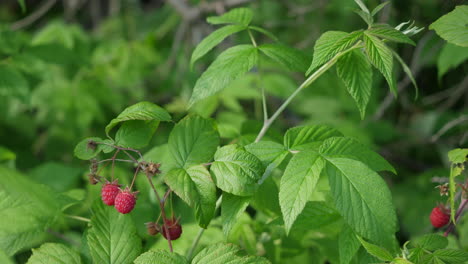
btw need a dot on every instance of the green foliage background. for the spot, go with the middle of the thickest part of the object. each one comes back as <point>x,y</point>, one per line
<point>64,76</point>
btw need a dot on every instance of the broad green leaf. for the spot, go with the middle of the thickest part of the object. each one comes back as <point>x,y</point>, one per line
<point>232,207</point>
<point>348,244</point>
<point>225,253</point>
<point>452,26</point>
<point>268,152</point>
<point>240,15</point>
<point>352,149</point>
<point>193,141</point>
<point>362,198</point>
<point>28,210</point>
<point>315,216</point>
<point>264,32</point>
<point>136,133</point>
<point>297,184</point>
<point>263,200</point>
<point>230,65</point>
<point>195,186</point>
<point>140,111</point>
<point>236,171</point>
<point>458,155</point>
<point>381,57</point>
<point>452,256</point>
<point>431,242</point>
<point>386,32</point>
<point>161,257</point>
<point>376,251</point>
<point>59,176</point>
<point>212,40</point>
<point>87,150</point>
<point>13,83</point>
<point>290,58</point>
<point>300,136</point>
<point>112,236</point>
<point>450,57</point>
<point>6,154</point>
<point>4,258</point>
<point>54,253</point>
<point>331,43</point>
<point>408,72</point>
<point>356,73</point>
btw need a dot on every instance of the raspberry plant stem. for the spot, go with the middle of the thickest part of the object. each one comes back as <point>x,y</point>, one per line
<point>268,122</point>
<point>460,209</point>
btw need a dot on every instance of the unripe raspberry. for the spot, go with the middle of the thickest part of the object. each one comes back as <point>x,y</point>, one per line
<point>439,216</point>
<point>173,227</point>
<point>109,191</point>
<point>125,201</point>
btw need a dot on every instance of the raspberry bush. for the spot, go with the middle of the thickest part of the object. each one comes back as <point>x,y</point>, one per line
<point>172,183</point>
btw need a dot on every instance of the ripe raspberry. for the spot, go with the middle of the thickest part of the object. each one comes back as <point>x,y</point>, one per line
<point>109,191</point>
<point>125,201</point>
<point>174,228</point>
<point>439,216</point>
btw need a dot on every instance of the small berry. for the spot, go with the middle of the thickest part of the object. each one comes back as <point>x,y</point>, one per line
<point>439,216</point>
<point>173,227</point>
<point>109,191</point>
<point>125,201</point>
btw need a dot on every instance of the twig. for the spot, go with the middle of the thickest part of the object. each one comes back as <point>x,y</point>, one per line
<point>34,16</point>
<point>79,218</point>
<point>448,126</point>
<point>190,13</point>
<point>460,209</point>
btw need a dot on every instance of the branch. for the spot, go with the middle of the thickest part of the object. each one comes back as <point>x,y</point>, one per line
<point>190,13</point>
<point>449,126</point>
<point>34,16</point>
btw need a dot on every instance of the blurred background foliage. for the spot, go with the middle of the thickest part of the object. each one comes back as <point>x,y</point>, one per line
<point>68,67</point>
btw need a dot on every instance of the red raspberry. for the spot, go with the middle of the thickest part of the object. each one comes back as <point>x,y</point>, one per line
<point>174,228</point>
<point>125,201</point>
<point>439,216</point>
<point>109,191</point>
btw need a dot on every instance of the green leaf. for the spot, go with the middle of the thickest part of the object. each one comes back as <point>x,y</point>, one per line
<point>408,72</point>
<point>331,43</point>
<point>264,32</point>
<point>300,136</point>
<point>362,198</point>
<point>376,251</point>
<point>452,26</point>
<point>386,32</point>
<point>4,258</point>
<point>315,216</point>
<point>236,171</point>
<point>431,242</point>
<point>381,57</point>
<point>291,58</point>
<point>352,149</point>
<point>362,6</point>
<point>365,16</point>
<point>85,150</point>
<point>450,256</point>
<point>268,152</point>
<point>450,57</point>
<point>54,253</point>
<point>241,16</point>
<point>140,111</point>
<point>59,176</point>
<point>458,155</point>
<point>297,184</point>
<point>230,65</point>
<point>6,154</point>
<point>356,73</point>
<point>379,7</point>
<point>348,244</point>
<point>13,83</point>
<point>225,253</point>
<point>212,40</point>
<point>401,261</point>
<point>112,236</point>
<point>196,187</point>
<point>161,257</point>
<point>28,210</point>
<point>136,133</point>
<point>22,5</point>
<point>193,141</point>
<point>232,207</point>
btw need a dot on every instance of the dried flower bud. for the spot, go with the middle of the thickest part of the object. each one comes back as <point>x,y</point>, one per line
<point>443,189</point>
<point>153,168</point>
<point>91,145</point>
<point>153,228</point>
<point>93,178</point>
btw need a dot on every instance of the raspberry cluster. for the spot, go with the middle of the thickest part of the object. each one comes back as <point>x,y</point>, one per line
<point>123,200</point>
